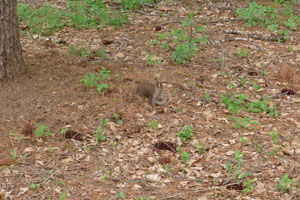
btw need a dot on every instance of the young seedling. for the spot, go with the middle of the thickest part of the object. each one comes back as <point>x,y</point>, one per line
<point>63,196</point>
<point>237,173</point>
<point>186,133</point>
<point>34,186</point>
<point>285,184</point>
<point>200,148</point>
<point>153,124</point>
<point>242,53</point>
<point>91,79</point>
<point>42,130</point>
<point>166,167</point>
<point>184,156</point>
<point>121,195</point>
<point>99,135</point>
<point>14,155</point>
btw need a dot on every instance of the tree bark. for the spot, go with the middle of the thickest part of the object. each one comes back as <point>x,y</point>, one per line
<point>11,59</point>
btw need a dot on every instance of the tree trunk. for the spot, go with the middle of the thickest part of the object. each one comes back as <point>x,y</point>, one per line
<point>11,59</point>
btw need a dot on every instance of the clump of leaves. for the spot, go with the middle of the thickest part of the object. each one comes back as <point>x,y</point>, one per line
<point>186,133</point>
<point>153,124</point>
<point>184,40</point>
<point>42,130</point>
<point>99,135</point>
<point>91,80</point>
<point>239,177</point>
<point>239,102</point>
<point>285,184</point>
<point>14,155</point>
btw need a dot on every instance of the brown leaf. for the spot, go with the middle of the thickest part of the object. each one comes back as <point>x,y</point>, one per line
<point>6,162</point>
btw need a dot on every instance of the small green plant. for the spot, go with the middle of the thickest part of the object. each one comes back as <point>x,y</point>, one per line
<point>121,195</point>
<point>290,48</point>
<point>63,131</point>
<point>42,130</point>
<point>99,135</point>
<point>63,196</point>
<point>12,134</point>
<point>151,59</point>
<point>166,167</point>
<point>14,155</point>
<point>285,184</point>
<point>258,148</point>
<point>234,103</point>
<point>59,182</point>
<point>240,122</point>
<point>117,119</point>
<point>153,124</point>
<point>200,148</point>
<point>206,97</point>
<point>242,53</point>
<point>248,186</point>
<point>141,198</point>
<point>186,133</point>
<point>117,76</point>
<point>184,156</point>
<point>34,186</point>
<point>244,140</point>
<point>184,40</point>
<point>274,136</point>
<point>256,87</point>
<point>237,173</point>
<point>91,79</point>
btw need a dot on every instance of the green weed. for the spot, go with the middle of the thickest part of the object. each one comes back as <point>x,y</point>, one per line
<point>186,133</point>
<point>153,124</point>
<point>34,186</point>
<point>91,80</point>
<point>99,135</point>
<point>63,196</point>
<point>121,195</point>
<point>285,184</point>
<point>239,177</point>
<point>184,156</point>
<point>14,155</point>
<point>42,130</point>
<point>242,53</point>
<point>183,40</point>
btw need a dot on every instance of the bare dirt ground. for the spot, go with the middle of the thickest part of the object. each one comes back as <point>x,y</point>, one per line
<point>128,161</point>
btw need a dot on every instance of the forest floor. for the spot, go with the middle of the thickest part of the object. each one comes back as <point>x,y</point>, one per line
<point>232,93</point>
